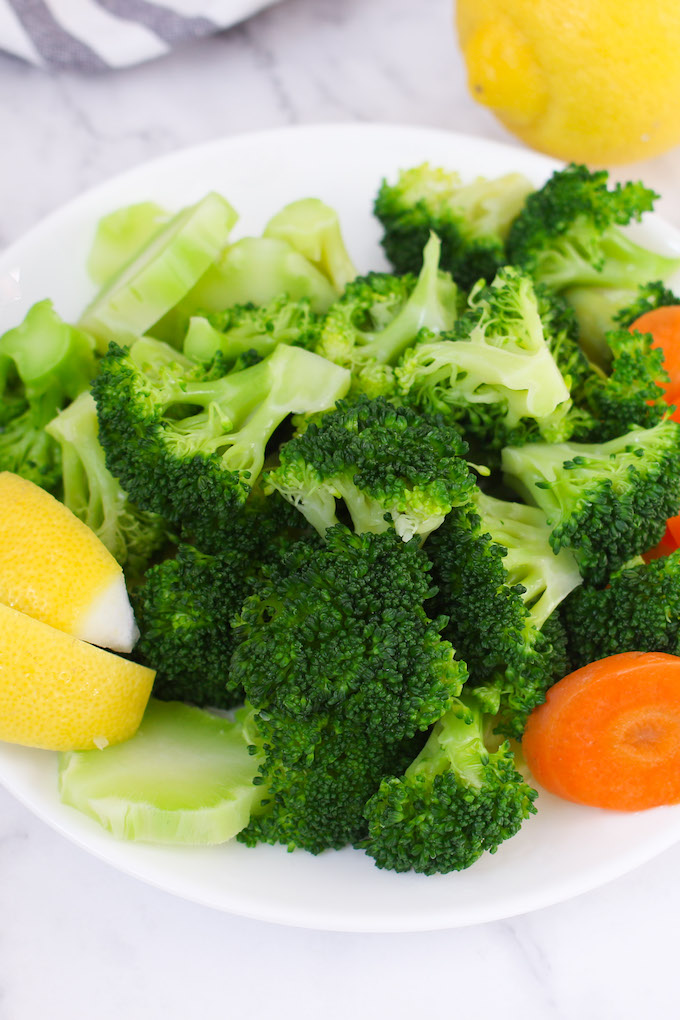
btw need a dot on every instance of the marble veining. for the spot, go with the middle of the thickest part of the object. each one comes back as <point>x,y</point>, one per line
<point>78,939</point>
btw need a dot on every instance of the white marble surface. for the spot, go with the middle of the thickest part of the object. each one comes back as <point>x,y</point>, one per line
<point>78,939</point>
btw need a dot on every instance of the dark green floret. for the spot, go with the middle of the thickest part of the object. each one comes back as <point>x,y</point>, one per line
<point>390,466</point>
<point>189,442</point>
<point>458,799</point>
<point>471,219</point>
<point>607,502</point>
<point>638,611</point>
<point>500,584</point>
<point>44,364</point>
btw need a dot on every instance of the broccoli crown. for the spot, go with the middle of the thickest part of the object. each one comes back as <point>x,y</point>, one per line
<point>649,297</point>
<point>608,502</point>
<point>242,329</point>
<point>384,461</point>
<point>184,609</point>
<point>379,315</point>
<point>472,220</point>
<point>318,777</point>
<point>44,364</point>
<point>456,800</point>
<point>639,610</point>
<point>631,394</point>
<point>190,446</point>
<point>91,492</point>
<point>341,627</point>
<point>568,233</point>
<point>499,584</point>
<point>494,369</point>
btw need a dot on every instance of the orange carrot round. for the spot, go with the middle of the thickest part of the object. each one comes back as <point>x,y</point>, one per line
<point>608,734</point>
<point>664,325</point>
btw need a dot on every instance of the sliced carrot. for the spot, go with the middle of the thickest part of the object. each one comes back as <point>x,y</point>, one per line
<point>664,325</point>
<point>608,734</point>
<point>673,529</point>
<point>668,544</point>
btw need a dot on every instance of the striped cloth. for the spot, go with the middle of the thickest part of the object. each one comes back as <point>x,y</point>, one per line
<point>94,35</point>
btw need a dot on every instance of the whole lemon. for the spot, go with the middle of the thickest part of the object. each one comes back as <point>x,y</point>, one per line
<point>594,81</point>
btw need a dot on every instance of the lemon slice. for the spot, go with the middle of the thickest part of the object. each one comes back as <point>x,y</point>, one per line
<point>55,569</point>
<point>62,694</point>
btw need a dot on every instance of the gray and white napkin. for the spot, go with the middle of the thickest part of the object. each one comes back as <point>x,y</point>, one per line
<point>94,35</point>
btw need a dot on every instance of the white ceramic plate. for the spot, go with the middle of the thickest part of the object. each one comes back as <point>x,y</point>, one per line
<point>563,850</point>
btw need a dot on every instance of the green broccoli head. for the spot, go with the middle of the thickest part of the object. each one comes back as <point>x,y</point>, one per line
<point>184,609</point>
<point>455,801</point>
<point>567,234</point>
<point>639,610</point>
<point>388,464</point>
<point>607,502</point>
<point>189,443</point>
<point>499,583</point>
<point>493,373</point>
<point>44,364</point>
<point>471,219</point>
<point>340,627</point>
<point>90,491</point>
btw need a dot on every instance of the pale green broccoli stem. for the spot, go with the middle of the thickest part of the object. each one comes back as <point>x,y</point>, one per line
<point>313,228</point>
<point>456,745</point>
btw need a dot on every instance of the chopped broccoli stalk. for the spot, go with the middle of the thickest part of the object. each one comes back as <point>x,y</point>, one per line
<point>471,219</point>
<point>379,315</point>
<point>494,370</point>
<point>244,328</point>
<point>567,234</point>
<point>500,584</point>
<point>44,364</point>
<point>184,609</point>
<point>253,270</point>
<point>648,297</point>
<point>390,466</point>
<point>313,229</point>
<point>120,236</point>
<point>608,502</point>
<point>91,492</point>
<point>188,442</point>
<point>639,610</point>
<point>457,799</point>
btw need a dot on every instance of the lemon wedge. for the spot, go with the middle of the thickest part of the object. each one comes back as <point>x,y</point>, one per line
<point>53,568</point>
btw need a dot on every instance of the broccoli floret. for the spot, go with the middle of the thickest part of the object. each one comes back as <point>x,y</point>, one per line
<point>242,329</point>
<point>340,626</point>
<point>500,585</point>
<point>313,229</point>
<point>630,394</point>
<point>471,219</point>
<point>44,364</point>
<point>190,446</point>
<point>494,371</point>
<point>608,502</point>
<point>638,611</point>
<point>458,799</point>
<point>649,297</point>
<point>91,492</point>
<point>391,467</point>
<point>184,609</point>
<point>568,235</point>
<point>379,315</point>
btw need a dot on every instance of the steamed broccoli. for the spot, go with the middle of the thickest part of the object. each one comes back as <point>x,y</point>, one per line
<point>379,315</point>
<point>44,364</point>
<point>189,443</point>
<point>608,502</point>
<point>649,297</point>
<point>184,609</point>
<point>388,464</point>
<point>471,219</point>
<point>91,492</point>
<point>456,800</point>
<point>500,584</point>
<point>242,329</point>
<point>638,611</point>
<point>313,229</point>
<point>494,373</point>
